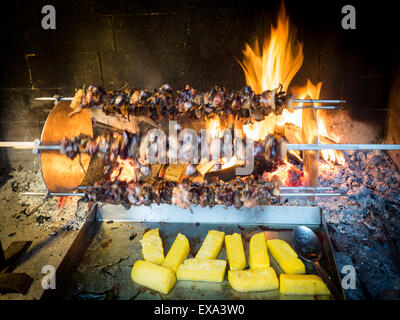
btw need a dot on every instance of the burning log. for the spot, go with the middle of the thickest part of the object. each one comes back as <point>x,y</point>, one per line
<point>293,134</point>
<point>131,124</point>
<point>223,174</point>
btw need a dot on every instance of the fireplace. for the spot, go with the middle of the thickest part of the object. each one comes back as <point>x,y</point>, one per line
<point>126,48</point>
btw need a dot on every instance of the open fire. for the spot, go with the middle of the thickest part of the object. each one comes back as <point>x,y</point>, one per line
<point>276,64</point>
<point>94,192</point>
<point>273,66</point>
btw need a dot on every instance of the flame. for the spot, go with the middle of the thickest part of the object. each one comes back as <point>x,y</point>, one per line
<point>125,171</point>
<point>296,118</point>
<point>314,91</point>
<point>258,130</point>
<point>213,126</point>
<point>228,163</point>
<point>278,62</point>
<point>331,156</point>
<point>281,58</point>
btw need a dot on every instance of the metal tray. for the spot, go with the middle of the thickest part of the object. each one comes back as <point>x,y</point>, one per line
<point>114,247</point>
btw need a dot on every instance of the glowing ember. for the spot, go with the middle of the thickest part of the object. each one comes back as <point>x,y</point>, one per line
<point>126,170</point>
<point>330,168</point>
<point>62,201</point>
<point>287,174</point>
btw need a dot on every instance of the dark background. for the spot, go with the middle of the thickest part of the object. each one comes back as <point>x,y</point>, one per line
<point>148,43</point>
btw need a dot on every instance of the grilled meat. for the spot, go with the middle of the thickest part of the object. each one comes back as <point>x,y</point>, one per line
<point>239,192</point>
<point>133,146</point>
<point>165,103</point>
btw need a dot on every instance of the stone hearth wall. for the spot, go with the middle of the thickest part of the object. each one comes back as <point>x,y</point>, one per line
<point>148,43</point>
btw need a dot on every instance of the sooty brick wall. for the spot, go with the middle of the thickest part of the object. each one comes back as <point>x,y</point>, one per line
<point>148,43</point>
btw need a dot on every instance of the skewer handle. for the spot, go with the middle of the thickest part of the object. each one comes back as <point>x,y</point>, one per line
<point>81,194</point>
<point>54,99</point>
<point>53,194</point>
<point>34,145</point>
<point>318,107</point>
<point>17,145</point>
<point>296,101</point>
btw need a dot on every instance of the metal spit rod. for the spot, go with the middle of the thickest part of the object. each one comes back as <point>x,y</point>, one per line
<point>350,146</point>
<point>54,194</point>
<point>27,145</point>
<point>280,188</point>
<point>298,192</point>
<point>306,188</point>
<point>318,101</point>
<point>318,107</point>
<point>315,194</point>
<point>296,101</point>
<point>82,195</point>
<point>295,108</point>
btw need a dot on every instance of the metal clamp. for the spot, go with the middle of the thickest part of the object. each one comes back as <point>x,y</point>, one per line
<point>36,144</point>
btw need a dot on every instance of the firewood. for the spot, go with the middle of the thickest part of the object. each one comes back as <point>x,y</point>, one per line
<point>130,124</point>
<point>293,135</point>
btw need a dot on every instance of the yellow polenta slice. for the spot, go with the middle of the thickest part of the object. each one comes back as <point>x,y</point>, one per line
<point>286,257</point>
<point>153,276</point>
<point>211,245</point>
<point>303,284</point>
<point>211,270</point>
<point>178,253</point>
<point>258,253</point>
<point>235,252</point>
<point>253,279</point>
<point>152,247</point>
